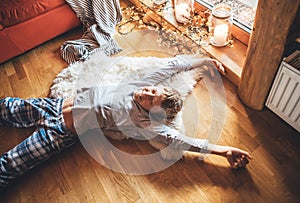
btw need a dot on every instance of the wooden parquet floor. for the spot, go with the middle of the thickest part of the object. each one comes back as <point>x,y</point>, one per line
<point>74,176</point>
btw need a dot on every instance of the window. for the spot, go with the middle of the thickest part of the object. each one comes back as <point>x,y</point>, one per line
<point>244,11</point>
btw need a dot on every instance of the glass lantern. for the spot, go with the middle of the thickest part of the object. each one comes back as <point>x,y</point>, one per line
<point>183,10</point>
<point>220,25</point>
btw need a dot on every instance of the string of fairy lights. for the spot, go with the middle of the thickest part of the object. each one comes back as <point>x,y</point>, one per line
<point>184,38</point>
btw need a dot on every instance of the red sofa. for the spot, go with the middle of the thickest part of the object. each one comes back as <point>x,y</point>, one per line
<point>25,24</point>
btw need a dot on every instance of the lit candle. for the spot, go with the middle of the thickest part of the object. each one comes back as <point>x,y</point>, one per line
<point>220,35</point>
<point>182,12</point>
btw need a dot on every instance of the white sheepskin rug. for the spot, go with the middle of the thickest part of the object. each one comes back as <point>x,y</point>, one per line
<point>100,69</point>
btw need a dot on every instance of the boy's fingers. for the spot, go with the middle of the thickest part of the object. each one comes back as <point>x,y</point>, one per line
<point>249,156</point>
<point>235,165</point>
<point>245,153</point>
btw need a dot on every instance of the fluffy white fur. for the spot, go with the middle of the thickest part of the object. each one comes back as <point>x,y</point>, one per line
<point>100,69</point>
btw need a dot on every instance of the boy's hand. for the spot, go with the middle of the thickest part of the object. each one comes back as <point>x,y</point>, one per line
<point>219,66</point>
<point>237,158</point>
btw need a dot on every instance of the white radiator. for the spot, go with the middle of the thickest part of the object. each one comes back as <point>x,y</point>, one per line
<point>284,97</point>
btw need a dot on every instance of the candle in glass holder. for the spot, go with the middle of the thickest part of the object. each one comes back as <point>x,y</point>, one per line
<point>220,35</point>
<point>183,10</point>
<point>221,25</point>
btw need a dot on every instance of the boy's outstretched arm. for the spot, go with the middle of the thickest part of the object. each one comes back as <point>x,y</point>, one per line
<point>195,62</point>
<point>236,157</point>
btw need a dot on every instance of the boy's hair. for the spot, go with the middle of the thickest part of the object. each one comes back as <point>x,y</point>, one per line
<point>172,103</point>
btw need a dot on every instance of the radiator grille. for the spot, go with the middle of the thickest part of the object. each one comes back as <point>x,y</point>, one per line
<point>284,97</point>
<point>294,60</point>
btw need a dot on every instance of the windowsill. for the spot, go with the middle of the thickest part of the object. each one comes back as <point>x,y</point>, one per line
<point>232,59</point>
<point>232,56</point>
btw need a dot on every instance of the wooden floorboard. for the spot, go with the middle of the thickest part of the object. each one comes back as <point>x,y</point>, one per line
<point>74,176</point>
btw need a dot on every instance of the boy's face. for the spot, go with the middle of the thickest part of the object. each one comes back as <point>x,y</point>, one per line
<point>149,96</point>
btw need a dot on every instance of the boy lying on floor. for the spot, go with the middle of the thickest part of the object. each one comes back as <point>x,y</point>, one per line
<point>141,104</point>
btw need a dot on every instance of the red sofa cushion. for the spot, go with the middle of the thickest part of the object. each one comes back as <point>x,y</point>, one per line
<point>17,39</point>
<point>16,11</point>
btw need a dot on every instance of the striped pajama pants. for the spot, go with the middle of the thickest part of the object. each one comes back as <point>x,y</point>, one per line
<point>50,136</point>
